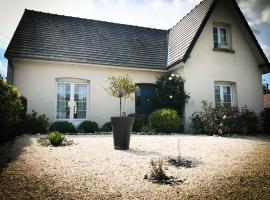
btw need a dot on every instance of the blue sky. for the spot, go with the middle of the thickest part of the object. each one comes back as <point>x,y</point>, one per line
<point>161,14</point>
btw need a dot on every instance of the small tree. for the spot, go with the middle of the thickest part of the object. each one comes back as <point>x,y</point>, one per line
<point>121,87</point>
<point>170,93</point>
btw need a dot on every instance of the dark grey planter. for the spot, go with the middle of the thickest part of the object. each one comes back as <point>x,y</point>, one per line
<point>121,127</point>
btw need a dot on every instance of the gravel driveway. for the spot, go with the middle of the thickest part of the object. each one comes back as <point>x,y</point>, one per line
<point>224,168</point>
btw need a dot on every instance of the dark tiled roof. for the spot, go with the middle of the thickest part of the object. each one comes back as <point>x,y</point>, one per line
<point>184,32</point>
<point>60,38</point>
<point>54,37</point>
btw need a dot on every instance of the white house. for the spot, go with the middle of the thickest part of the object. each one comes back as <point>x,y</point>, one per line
<point>61,63</point>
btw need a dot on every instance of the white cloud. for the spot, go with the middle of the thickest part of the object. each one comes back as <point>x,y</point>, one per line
<point>266,15</point>
<point>266,50</point>
<point>3,68</point>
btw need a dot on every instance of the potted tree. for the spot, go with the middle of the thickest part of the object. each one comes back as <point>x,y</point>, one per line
<point>121,87</point>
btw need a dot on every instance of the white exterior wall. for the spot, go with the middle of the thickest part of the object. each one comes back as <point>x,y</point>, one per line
<point>206,66</point>
<point>37,81</point>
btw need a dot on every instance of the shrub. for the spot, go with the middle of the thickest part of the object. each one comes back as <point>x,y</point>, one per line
<point>107,127</point>
<point>140,122</point>
<point>88,127</point>
<point>265,116</point>
<point>55,138</point>
<point>249,120</point>
<point>34,123</point>
<point>170,93</point>
<point>224,120</point>
<point>165,120</point>
<point>10,110</point>
<point>157,170</point>
<point>62,127</point>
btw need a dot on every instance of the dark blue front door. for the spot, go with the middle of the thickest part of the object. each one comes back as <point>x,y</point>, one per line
<point>144,94</point>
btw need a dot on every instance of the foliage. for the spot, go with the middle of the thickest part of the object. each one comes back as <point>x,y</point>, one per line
<point>107,127</point>
<point>62,127</point>
<point>170,93</point>
<point>88,127</point>
<point>34,123</point>
<point>266,89</point>
<point>265,116</point>
<point>121,87</point>
<point>224,120</point>
<point>56,138</point>
<point>140,122</point>
<point>24,106</point>
<point>10,110</point>
<point>165,120</point>
<point>157,170</point>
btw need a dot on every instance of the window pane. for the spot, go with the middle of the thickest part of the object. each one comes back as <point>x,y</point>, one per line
<point>217,98</point>
<point>226,90</point>
<point>80,115</point>
<point>217,94</point>
<point>223,36</point>
<point>80,98</point>
<point>215,30</point>
<point>63,96</point>
<point>227,98</point>
<point>81,105</point>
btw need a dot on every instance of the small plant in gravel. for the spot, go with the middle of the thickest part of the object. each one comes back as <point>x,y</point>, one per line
<point>158,173</point>
<point>55,138</point>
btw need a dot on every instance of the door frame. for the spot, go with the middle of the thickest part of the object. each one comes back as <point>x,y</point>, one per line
<point>71,116</point>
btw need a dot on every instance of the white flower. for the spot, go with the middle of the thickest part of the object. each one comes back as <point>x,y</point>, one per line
<point>170,78</point>
<point>171,96</point>
<point>224,117</point>
<point>177,75</point>
<point>172,75</point>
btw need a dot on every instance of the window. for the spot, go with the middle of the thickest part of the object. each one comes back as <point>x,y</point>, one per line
<point>224,94</point>
<point>221,36</point>
<point>72,100</point>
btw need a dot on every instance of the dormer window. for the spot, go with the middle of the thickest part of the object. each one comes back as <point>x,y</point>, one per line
<point>221,36</point>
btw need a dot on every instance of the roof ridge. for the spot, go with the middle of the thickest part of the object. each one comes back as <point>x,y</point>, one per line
<point>187,15</point>
<point>97,20</point>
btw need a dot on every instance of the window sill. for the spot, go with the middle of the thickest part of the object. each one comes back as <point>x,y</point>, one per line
<point>224,50</point>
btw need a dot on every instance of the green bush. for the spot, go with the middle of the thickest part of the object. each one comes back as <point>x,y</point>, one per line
<point>165,120</point>
<point>170,93</point>
<point>265,117</point>
<point>62,127</point>
<point>55,138</point>
<point>10,110</point>
<point>140,122</point>
<point>34,123</point>
<point>224,120</point>
<point>88,127</point>
<point>107,127</point>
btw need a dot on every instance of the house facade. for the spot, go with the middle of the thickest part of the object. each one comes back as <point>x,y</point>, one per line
<point>61,63</point>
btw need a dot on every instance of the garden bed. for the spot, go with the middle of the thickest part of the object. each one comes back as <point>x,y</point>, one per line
<point>225,168</point>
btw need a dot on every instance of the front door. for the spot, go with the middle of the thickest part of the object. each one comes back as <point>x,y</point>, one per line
<point>72,102</point>
<point>144,98</point>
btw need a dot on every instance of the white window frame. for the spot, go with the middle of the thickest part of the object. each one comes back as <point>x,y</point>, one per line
<point>221,93</point>
<point>228,35</point>
<point>72,86</point>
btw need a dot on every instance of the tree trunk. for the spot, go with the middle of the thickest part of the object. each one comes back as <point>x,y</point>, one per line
<point>120,106</point>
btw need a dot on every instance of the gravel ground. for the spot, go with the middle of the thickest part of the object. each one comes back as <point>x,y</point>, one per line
<point>225,168</point>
